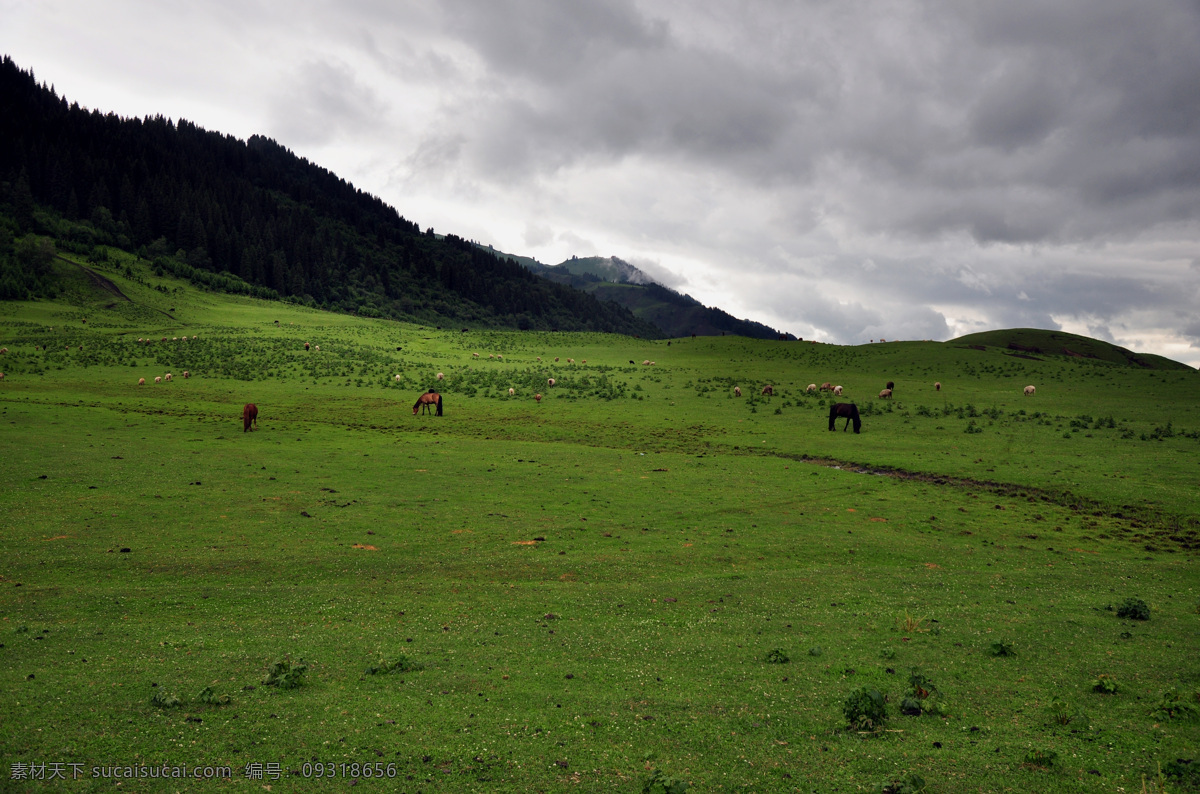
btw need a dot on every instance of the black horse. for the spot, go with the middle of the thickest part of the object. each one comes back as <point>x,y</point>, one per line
<point>849,411</point>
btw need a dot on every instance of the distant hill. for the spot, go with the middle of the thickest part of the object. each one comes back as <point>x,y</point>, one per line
<point>674,313</point>
<point>1036,343</point>
<point>248,217</point>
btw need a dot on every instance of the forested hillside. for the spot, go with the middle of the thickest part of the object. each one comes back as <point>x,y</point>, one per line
<point>676,314</point>
<point>245,216</point>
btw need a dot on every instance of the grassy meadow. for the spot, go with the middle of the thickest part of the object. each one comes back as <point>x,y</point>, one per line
<point>639,583</point>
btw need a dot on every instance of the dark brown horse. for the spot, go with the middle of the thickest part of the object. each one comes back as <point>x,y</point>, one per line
<point>427,402</point>
<point>249,417</point>
<point>848,411</point>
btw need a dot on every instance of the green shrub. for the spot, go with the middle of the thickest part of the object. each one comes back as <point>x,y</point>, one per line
<point>286,675</point>
<point>865,709</point>
<point>164,701</point>
<point>1105,685</point>
<point>1002,648</point>
<point>402,665</point>
<point>1042,758</point>
<point>662,783</point>
<point>815,650</point>
<point>1133,609</point>
<point>209,697</point>
<point>1174,705</point>
<point>912,783</point>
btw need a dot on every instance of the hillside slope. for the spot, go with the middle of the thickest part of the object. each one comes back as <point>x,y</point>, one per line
<point>249,217</point>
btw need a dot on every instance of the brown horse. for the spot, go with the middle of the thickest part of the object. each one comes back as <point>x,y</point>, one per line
<point>249,417</point>
<point>848,411</point>
<point>428,402</point>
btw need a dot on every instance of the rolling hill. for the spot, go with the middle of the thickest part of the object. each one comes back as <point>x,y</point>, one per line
<point>1040,344</point>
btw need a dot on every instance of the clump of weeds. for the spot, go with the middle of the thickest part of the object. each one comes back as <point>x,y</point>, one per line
<point>865,709</point>
<point>402,665</point>
<point>777,656</point>
<point>1133,609</point>
<point>286,675</point>
<point>912,783</point>
<point>1105,685</point>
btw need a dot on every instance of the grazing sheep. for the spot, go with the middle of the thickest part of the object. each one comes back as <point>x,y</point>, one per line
<point>1029,390</point>
<point>570,361</point>
<point>882,340</point>
<point>306,346</point>
<point>397,379</point>
<point>737,391</point>
<point>441,376</point>
<point>174,339</point>
<point>195,337</point>
<point>186,374</point>
<point>556,358</point>
<point>812,387</point>
<point>474,355</point>
<point>539,358</point>
<point>652,363</point>
<point>826,386</point>
<point>168,376</point>
<point>890,385</point>
<point>164,339</point>
<point>550,382</point>
<point>158,380</point>
<point>1,376</point>
<point>837,391</point>
<point>491,355</point>
<point>141,381</point>
<point>537,397</point>
<point>499,357</point>
<point>646,363</point>
<point>316,348</point>
<point>886,394</point>
<point>584,361</point>
<point>3,350</point>
<point>511,391</point>
<point>937,386</point>
<point>768,390</point>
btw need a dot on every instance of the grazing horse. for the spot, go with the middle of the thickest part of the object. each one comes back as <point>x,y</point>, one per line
<point>249,417</point>
<point>849,411</point>
<point>427,402</point>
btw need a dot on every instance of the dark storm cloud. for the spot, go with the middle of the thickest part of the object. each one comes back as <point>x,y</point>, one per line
<point>991,164</point>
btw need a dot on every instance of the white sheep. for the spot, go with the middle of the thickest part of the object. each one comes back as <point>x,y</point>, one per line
<point>937,386</point>
<point>441,376</point>
<point>837,391</point>
<point>737,391</point>
<point>168,376</point>
<point>886,394</point>
<point>158,379</point>
<point>511,391</point>
<point>1029,390</point>
<point>550,382</point>
<point>141,381</point>
<point>812,387</point>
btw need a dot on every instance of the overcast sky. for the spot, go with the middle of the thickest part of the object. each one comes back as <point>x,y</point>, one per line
<point>842,170</point>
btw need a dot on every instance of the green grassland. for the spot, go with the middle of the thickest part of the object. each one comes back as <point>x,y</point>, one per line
<point>639,578</point>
